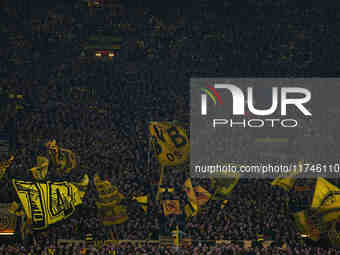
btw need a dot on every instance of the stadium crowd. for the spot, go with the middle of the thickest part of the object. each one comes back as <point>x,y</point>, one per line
<point>100,108</point>
<point>150,249</point>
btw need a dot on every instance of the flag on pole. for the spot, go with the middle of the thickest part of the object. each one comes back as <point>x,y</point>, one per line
<point>170,143</point>
<point>171,207</point>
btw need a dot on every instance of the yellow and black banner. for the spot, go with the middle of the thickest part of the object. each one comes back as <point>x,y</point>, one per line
<point>171,207</point>
<point>39,172</point>
<point>190,191</point>
<point>191,208</point>
<point>224,185</point>
<point>197,197</point>
<point>142,201</point>
<point>202,195</point>
<point>305,225</point>
<point>108,194</point>
<point>4,166</point>
<point>110,210</point>
<point>46,203</point>
<point>64,159</point>
<point>326,200</point>
<point>170,142</point>
<point>287,183</point>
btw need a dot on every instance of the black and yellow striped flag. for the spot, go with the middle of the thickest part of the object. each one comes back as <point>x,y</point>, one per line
<point>109,203</point>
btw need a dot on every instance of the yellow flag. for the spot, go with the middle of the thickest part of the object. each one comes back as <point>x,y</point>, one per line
<point>190,210</point>
<point>287,183</point>
<point>189,190</point>
<point>170,142</point>
<point>82,184</point>
<point>171,207</point>
<point>64,159</point>
<point>4,166</point>
<point>39,172</point>
<point>109,198</point>
<point>143,201</point>
<point>224,185</point>
<point>326,200</point>
<point>108,194</point>
<point>51,251</point>
<point>323,190</point>
<point>48,202</point>
<point>15,208</point>
<point>202,195</point>
<point>305,226</point>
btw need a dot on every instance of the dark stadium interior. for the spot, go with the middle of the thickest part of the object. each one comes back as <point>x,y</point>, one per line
<point>92,74</point>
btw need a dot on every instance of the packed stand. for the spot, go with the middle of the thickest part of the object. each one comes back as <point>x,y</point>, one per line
<point>100,110</point>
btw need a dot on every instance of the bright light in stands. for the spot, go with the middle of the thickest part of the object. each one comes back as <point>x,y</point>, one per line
<point>7,233</point>
<point>98,54</point>
<point>111,54</point>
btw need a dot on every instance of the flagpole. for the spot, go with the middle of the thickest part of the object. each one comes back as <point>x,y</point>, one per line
<point>177,237</point>
<point>160,181</point>
<point>149,157</point>
<point>149,153</point>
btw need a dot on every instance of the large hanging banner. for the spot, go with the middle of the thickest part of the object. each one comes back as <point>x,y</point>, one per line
<point>46,203</point>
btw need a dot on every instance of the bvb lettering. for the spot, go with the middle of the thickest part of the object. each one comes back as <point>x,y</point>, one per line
<point>177,139</point>
<point>174,155</point>
<point>157,147</point>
